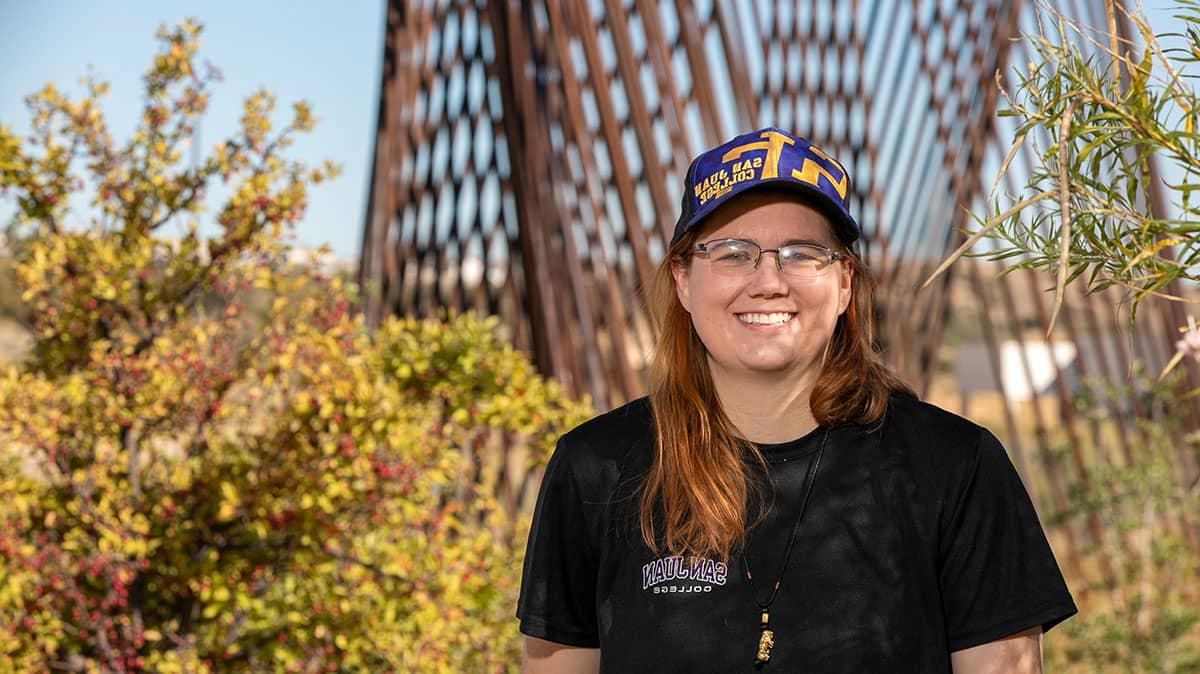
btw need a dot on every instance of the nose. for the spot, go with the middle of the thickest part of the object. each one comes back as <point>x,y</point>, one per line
<point>767,279</point>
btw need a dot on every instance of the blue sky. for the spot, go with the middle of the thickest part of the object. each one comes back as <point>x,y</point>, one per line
<point>326,53</point>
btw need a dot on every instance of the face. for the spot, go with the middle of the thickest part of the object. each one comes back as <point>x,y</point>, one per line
<point>737,317</point>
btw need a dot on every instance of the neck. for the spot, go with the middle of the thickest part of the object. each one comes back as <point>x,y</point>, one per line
<point>767,407</point>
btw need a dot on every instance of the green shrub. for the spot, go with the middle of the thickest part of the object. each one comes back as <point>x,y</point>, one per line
<point>208,462</point>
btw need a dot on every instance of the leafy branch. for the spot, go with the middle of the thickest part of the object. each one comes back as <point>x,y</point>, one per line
<point>1102,117</point>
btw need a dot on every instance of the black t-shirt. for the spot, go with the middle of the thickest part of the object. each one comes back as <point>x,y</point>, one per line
<point>919,540</point>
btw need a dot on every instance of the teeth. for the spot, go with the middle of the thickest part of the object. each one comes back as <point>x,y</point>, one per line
<point>766,319</point>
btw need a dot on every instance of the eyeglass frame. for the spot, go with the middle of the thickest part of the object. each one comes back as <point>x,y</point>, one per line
<point>701,249</point>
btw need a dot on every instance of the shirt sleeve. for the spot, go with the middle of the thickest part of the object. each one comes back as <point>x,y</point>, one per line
<point>997,573</point>
<point>558,585</point>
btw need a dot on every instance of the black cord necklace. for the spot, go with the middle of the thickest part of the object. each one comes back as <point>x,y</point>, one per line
<point>767,638</point>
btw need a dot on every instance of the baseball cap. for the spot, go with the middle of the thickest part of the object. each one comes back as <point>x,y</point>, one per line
<point>769,156</point>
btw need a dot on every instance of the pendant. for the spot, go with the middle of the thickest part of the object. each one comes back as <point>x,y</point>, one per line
<point>765,641</point>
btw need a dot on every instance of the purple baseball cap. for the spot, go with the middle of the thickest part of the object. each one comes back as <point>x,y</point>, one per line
<point>773,157</point>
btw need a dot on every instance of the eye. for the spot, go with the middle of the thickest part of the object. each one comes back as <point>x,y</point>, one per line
<point>797,255</point>
<point>732,255</point>
<point>801,254</point>
<point>731,252</point>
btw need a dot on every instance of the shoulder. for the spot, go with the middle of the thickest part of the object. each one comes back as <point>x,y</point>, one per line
<point>630,422</point>
<point>917,419</point>
<point>958,460</point>
<point>607,445</point>
<point>930,435</point>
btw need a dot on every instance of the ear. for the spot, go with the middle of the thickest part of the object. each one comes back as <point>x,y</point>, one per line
<point>679,269</point>
<point>845,287</point>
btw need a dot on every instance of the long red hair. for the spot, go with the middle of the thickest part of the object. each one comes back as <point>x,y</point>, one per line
<point>699,488</point>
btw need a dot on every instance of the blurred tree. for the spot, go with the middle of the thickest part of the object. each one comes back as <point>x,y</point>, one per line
<point>1145,619</point>
<point>1092,127</point>
<point>208,463</point>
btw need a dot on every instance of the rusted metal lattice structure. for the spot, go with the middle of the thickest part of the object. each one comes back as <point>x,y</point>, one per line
<point>529,156</point>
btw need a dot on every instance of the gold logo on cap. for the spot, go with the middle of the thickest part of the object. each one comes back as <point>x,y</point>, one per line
<point>810,171</point>
<point>773,145</point>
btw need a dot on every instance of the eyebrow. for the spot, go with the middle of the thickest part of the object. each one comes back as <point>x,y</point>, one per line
<point>789,242</point>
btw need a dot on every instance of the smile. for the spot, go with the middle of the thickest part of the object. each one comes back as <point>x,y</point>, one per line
<point>775,318</point>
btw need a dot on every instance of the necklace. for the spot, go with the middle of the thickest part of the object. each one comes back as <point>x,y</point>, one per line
<point>767,638</point>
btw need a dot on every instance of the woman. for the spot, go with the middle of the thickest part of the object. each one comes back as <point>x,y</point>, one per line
<point>780,501</point>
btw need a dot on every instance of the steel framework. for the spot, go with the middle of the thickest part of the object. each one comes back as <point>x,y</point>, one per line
<point>529,155</point>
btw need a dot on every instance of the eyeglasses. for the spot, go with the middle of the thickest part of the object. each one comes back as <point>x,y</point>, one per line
<point>737,257</point>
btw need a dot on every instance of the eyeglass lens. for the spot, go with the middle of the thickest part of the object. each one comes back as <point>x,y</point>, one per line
<point>741,257</point>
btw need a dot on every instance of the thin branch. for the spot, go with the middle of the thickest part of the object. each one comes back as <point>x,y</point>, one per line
<point>375,569</point>
<point>1175,360</point>
<point>1064,189</point>
<point>110,655</point>
<point>1111,15</point>
<point>1086,34</point>
<point>239,622</point>
<point>179,207</point>
<point>1175,81</point>
<point>987,227</point>
<point>1152,293</point>
<point>1012,153</point>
